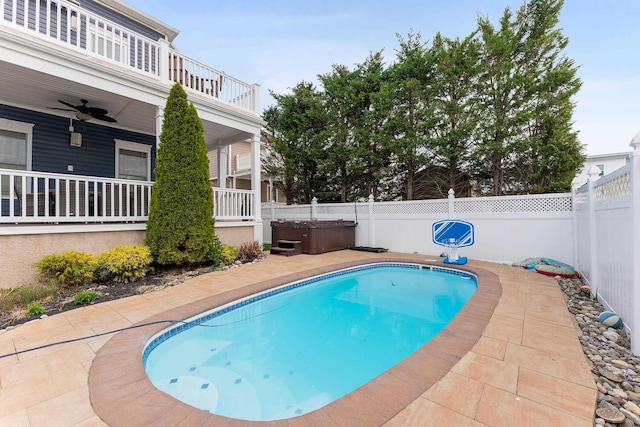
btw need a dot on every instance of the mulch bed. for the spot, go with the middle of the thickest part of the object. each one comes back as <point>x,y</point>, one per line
<point>63,301</point>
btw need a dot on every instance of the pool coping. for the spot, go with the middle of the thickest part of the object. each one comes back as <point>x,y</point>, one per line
<point>121,393</point>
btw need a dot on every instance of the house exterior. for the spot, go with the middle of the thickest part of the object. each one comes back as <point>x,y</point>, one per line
<point>607,163</point>
<point>83,85</point>
<point>234,162</point>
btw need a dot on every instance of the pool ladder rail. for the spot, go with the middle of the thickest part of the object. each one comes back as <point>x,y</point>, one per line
<point>287,248</point>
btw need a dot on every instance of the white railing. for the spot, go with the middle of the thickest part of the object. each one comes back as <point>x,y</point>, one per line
<point>231,204</point>
<point>67,24</point>
<point>39,198</point>
<point>36,197</point>
<point>209,81</point>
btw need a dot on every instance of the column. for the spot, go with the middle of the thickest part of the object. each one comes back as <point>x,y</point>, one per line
<point>222,165</point>
<point>159,122</point>
<point>256,169</point>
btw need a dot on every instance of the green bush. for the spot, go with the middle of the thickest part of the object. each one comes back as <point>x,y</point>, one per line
<point>84,298</point>
<point>124,264</point>
<point>249,251</point>
<point>69,269</point>
<point>180,228</point>
<point>35,309</point>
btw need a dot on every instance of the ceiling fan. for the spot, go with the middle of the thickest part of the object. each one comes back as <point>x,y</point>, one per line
<point>84,112</point>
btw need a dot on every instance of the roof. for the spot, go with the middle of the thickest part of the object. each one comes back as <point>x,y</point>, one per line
<point>140,16</point>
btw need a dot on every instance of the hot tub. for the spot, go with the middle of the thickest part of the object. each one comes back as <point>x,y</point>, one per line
<point>317,236</point>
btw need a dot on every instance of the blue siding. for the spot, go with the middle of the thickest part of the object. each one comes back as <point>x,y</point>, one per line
<point>52,151</point>
<point>120,19</point>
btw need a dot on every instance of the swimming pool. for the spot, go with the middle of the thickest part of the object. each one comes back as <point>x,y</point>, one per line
<point>291,350</point>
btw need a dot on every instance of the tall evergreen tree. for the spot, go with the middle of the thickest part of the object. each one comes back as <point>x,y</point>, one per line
<point>297,123</point>
<point>180,228</point>
<point>411,112</point>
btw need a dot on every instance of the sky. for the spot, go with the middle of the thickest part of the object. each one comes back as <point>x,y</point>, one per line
<point>280,43</point>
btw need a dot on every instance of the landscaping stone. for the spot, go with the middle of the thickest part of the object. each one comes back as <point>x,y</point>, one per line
<point>614,368</point>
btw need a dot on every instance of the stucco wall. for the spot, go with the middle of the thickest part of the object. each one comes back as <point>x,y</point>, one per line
<point>18,253</point>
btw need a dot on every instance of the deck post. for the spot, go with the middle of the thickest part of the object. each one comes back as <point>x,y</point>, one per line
<point>163,61</point>
<point>451,197</point>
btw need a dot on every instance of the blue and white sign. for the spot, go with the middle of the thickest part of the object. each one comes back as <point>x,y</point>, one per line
<point>452,232</point>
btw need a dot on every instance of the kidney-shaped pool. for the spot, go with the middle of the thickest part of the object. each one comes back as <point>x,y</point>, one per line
<point>291,350</point>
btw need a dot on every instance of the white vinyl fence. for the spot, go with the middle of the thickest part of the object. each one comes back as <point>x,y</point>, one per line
<point>507,228</point>
<point>607,239</point>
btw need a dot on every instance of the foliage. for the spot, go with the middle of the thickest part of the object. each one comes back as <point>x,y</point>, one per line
<point>35,309</point>
<point>296,126</point>
<point>489,113</point>
<point>249,251</point>
<point>180,228</point>
<point>229,254</point>
<point>124,264</point>
<point>24,295</point>
<point>85,297</point>
<point>69,269</point>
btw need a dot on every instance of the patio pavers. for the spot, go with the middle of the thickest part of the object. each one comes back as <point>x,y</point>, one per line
<point>525,368</point>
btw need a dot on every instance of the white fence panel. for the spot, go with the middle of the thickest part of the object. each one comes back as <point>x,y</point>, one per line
<point>507,229</point>
<point>608,240</point>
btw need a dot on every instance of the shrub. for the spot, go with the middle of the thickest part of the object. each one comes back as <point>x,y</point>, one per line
<point>69,269</point>
<point>124,264</point>
<point>35,309</point>
<point>84,298</point>
<point>180,228</point>
<point>249,251</point>
<point>229,254</point>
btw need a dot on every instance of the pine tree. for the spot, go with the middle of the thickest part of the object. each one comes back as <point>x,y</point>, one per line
<point>180,229</point>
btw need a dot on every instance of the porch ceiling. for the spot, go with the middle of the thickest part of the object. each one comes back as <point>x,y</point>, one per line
<point>35,90</point>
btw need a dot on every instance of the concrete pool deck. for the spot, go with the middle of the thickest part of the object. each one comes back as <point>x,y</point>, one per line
<point>515,360</point>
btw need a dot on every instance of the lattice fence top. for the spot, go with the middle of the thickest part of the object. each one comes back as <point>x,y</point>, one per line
<point>619,186</point>
<point>411,208</point>
<point>513,204</point>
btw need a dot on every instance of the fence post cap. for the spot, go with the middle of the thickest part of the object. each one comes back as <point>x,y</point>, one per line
<point>635,142</point>
<point>594,171</point>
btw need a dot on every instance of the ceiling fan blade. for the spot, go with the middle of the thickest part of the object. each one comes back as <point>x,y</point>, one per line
<point>69,105</point>
<point>95,111</point>
<point>61,109</point>
<point>105,118</point>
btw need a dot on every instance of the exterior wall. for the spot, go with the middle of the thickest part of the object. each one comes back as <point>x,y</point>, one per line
<point>234,234</point>
<point>52,151</point>
<point>609,163</point>
<point>120,19</point>
<point>19,252</point>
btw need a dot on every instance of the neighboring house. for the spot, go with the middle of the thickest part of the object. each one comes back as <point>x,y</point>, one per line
<point>83,85</point>
<point>607,163</point>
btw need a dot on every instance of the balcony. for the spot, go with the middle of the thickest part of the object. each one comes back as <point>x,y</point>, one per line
<point>49,198</point>
<point>71,27</point>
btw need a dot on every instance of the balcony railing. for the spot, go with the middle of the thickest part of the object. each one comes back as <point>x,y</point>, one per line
<point>69,25</point>
<point>232,204</point>
<point>49,198</point>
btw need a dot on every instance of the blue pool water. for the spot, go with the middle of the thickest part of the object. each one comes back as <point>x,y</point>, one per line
<point>296,349</point>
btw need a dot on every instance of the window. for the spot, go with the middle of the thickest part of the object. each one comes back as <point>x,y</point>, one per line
<point>133,160</point>
<point>15,149</point>
<point>601,167</point>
